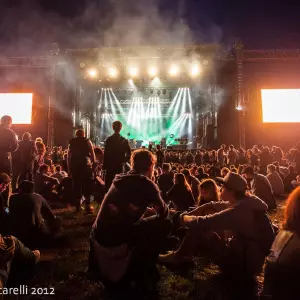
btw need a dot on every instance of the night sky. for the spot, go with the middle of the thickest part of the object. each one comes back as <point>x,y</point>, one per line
<point>261,24</point>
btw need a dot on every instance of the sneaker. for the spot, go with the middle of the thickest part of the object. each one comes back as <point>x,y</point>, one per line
<point>37,256</point>
<point>172,258</point>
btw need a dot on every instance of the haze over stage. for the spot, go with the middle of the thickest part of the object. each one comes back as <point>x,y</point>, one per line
<point>18,106</point>
<point>281,105</point>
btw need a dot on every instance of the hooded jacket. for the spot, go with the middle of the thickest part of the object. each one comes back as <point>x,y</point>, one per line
<point>244,248</point>
<point>124,205</point>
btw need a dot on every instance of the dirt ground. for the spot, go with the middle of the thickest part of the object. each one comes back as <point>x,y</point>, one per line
<point>64,268</point>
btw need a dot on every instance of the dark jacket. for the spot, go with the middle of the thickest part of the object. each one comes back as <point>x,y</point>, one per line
<point>27,152</point>
<point>8,142</point>
<point>116,153</point>
<point>124,205</point>
<point>262,189</point>
<point>79,151</point>
<point>29,214</point>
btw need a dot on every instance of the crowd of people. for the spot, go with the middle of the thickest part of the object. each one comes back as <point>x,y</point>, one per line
<point>154,205</point>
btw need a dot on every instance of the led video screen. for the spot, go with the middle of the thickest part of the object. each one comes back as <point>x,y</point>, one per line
<point>280,106</point>
<point>18,106</point>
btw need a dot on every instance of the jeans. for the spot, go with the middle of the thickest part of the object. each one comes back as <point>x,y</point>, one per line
<point>82,177</point>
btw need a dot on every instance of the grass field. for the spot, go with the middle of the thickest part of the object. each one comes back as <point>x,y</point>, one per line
<point>64,269</point>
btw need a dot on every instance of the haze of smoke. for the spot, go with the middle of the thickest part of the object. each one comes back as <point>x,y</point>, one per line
<point>29,30</point>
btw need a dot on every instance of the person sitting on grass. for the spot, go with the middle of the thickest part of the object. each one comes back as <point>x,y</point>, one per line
<point>209,192</point>
<point>260,187</point>
<point>43,183</point>
<point>283,264</point>
<point>16,262</point>
<point>59,174</point>
<point>245,216</point>
<point>124,245</point>
<point>275,180</point>
<point>166,180</point>
<point>193,182</point>
<point>31,218</point>
<point>181,194</point>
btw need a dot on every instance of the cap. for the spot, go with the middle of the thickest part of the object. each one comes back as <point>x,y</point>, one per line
<point>233,181</point>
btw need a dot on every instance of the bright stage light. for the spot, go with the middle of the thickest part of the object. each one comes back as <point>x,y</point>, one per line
<point>195,70</point>
<point>133,71</point>
<point>112,72</point>
<point>92,73</point>
<point>174,70</point>
<point>239,108</point>
<point>152,71</point>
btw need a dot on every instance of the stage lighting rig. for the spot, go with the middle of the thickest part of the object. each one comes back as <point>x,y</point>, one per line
<point>112,72</point>
<point>174,70</point>
<point>133,71</point>
<point>92,73</point>
<point>152,71</point>
<point>195,70</point>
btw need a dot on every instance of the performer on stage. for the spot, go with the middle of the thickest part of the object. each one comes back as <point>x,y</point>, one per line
<point>116,153</point>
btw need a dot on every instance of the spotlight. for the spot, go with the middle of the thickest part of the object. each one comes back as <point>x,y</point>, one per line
<point>92,73</point>
<point>112,72</point>
<point>195,70</point>
<point>174,70</point>
<point>152,71</point>
<point>133,72</point>
<point>239,107</point>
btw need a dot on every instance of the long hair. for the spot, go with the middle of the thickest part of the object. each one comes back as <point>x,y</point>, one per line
<point>292,212</point>
<point>181,181</point>
<point>40,147</point>
<point>210,186</point>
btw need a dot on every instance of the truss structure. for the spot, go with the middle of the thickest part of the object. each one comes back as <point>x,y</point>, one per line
<point>259,55</point>
<point>27,62</point>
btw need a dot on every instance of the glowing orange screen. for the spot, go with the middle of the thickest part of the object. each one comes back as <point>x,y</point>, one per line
<point>18,106</point>
<point>281,106</point>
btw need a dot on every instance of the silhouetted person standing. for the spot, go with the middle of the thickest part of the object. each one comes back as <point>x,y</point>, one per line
<point>116,153</point>
<point>8,144</point>
<point>81,157</point>
<point>27,151</point>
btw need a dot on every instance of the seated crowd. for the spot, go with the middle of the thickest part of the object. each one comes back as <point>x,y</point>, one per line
<point>169,207</point>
